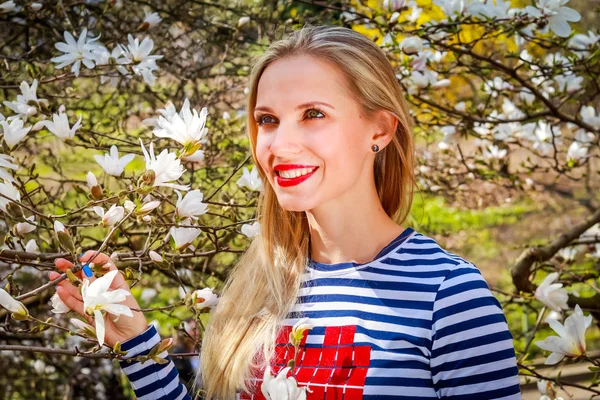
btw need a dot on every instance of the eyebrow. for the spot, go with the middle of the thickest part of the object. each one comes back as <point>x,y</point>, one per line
<point>300,107</point>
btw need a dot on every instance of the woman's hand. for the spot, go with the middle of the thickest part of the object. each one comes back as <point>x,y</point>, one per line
<point>125,327</point>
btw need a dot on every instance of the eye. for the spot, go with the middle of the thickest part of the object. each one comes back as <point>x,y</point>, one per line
<point>263,119</point>
<point>313,113</point>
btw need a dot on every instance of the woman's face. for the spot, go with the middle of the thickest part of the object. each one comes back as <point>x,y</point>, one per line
<point>307,117</point>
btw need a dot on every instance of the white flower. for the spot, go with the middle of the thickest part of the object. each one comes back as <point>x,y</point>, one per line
<point>568,253</point>
<point>298,329</point>
<point>60,126</point>
<point>204,298</point>
<point>544,134</point>
<point>76,52</point>
<point>281,388</point>
<point>186,127</point>
<point>166,167</point>
<point>583,43</point>
<point>22,228</point>
<point>243,21</point>
<point>58,306</point>
<point>552,294</point>
<point>415,12</point>
<point>59,227</point>
<point>251,230</point>
<point>150,21</point>
<point>489,9</point>
<point>589,116</point>
<point>112,216</point>
<point>27,102</point>
<point>494,152</point>
<point>191,205</point>
<point>7,189</point>
<point>496,85</point>
<point>558,17</point>
<point>36,6</point>
<point>82,327</point>
<point>154,256</point>
<point>138,56</point>
<point>571,339</point>
<point>97,298</point>
<point>568,83</point>
<point>111,163</point>
<point>182,237</point>
<point>449,138</point>
<point>31,246</point>
<point>251,180</point>
<point>14,131</point>
<point>394,5</point>
<point>12,305</point>
<point>5,162</point>
<point>129,205</point>
<point>451,7</point>
<point>576,152</point>
<point>411,45</point>
<point>7,7</point>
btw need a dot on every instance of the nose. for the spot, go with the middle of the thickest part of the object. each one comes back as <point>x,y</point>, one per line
<point>286,141</point>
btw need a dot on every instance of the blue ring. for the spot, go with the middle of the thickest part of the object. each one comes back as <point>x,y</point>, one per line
<point>87,270</point>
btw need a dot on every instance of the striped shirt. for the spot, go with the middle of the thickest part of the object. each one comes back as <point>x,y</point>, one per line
<point>417,322</point>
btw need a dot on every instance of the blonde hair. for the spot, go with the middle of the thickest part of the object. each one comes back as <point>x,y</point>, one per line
<point>263,286</point>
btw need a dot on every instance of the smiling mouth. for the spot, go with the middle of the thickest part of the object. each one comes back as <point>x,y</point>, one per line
<point>286,182</point>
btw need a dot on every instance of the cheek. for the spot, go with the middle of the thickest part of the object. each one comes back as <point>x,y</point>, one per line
<point>262,153</point>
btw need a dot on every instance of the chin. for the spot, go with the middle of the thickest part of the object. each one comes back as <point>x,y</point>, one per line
<point>294,205</point>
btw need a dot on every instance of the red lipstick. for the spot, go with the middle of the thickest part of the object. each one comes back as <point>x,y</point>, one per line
<point>286,182</point>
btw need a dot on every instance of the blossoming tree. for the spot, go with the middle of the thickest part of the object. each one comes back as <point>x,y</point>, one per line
<point>122,134</point>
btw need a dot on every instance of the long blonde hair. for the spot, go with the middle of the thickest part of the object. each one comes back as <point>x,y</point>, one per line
<point>263,286</point>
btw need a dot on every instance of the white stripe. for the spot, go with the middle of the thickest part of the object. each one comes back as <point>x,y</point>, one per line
<point>139,366</point>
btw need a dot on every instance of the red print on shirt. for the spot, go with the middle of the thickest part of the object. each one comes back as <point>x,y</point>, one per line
<point>334,371</point>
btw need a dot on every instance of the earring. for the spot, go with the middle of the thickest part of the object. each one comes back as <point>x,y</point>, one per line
<point>375,148</point>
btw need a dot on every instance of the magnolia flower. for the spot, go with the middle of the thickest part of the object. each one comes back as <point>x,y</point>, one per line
<point>112,216</point>
<point>183,237</point>
<point>58,306</point>
<point>76,52</point>
<point>204,298</point>
<point>191,205</point>
<point>243,21</point>
<point>154,256</point>
<point>451,7</point>
<point>568,253</point>
<point>251,180</point>
<point>138,56</point>
<point>494,152</point>
<point>489,9</point>
<point>187,127</point>
<point>60,126</point>
<point>571,339</point>
<point>165,168</point>
<point>394,5</point>
<point>59,227</point>
<point>576,152</point>
<point>583,43</point>
<point>83,328</point>
<point>14,131</point>
<point>251,230</point>
<point>568,83</point>
<point>150,21</point>
<point>7,189</point>
<point>281,388</point>
<point>298,329</point>
<point>5,162</point>
<point>22,228</point>
<point>589,116</point>
<point>12,305</point>
<point>411,45</point>
<point>558,17</point>
<point>7,7</point>
<point>552,294</point>
<point>97,298</point>
<point>148,294</point>
<point>111,163</point>
<point>31,246</point>
<point>27,102</point>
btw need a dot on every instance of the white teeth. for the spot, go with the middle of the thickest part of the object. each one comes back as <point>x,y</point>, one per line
<point>294,173</point>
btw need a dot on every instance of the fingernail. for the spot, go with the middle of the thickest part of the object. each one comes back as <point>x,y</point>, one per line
<point>87,270</point>
<point>82,254</point>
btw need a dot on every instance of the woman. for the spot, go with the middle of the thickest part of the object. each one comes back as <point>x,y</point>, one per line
<point>394,315</point>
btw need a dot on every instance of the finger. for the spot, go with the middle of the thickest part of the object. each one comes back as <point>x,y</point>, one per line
<point>73,303</point>
<point>68,286</point>
<point>119,281</point>
<point>64,264</point>
<point>97,259</point>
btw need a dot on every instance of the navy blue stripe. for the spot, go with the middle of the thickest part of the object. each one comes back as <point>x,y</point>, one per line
<point>379,301</point>
<point>479,378</point>
<point>408,274</point>
<point>399,286</point>
<point>126,363</point>
<point>161,383</point>
<point>469,324</point>
<point>369,316</point>
<point>488,395</point>
<point>468,305</point>
<point>401,364</point>
<point>399,381</point>
<point>149,369</point>
<point>474,360</point>
<point>143,337</point>
<point>461,288</point>
<point>474,342</point>
<point>417,262</point>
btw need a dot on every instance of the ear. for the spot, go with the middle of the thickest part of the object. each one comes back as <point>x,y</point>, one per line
<point>386,124</point>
